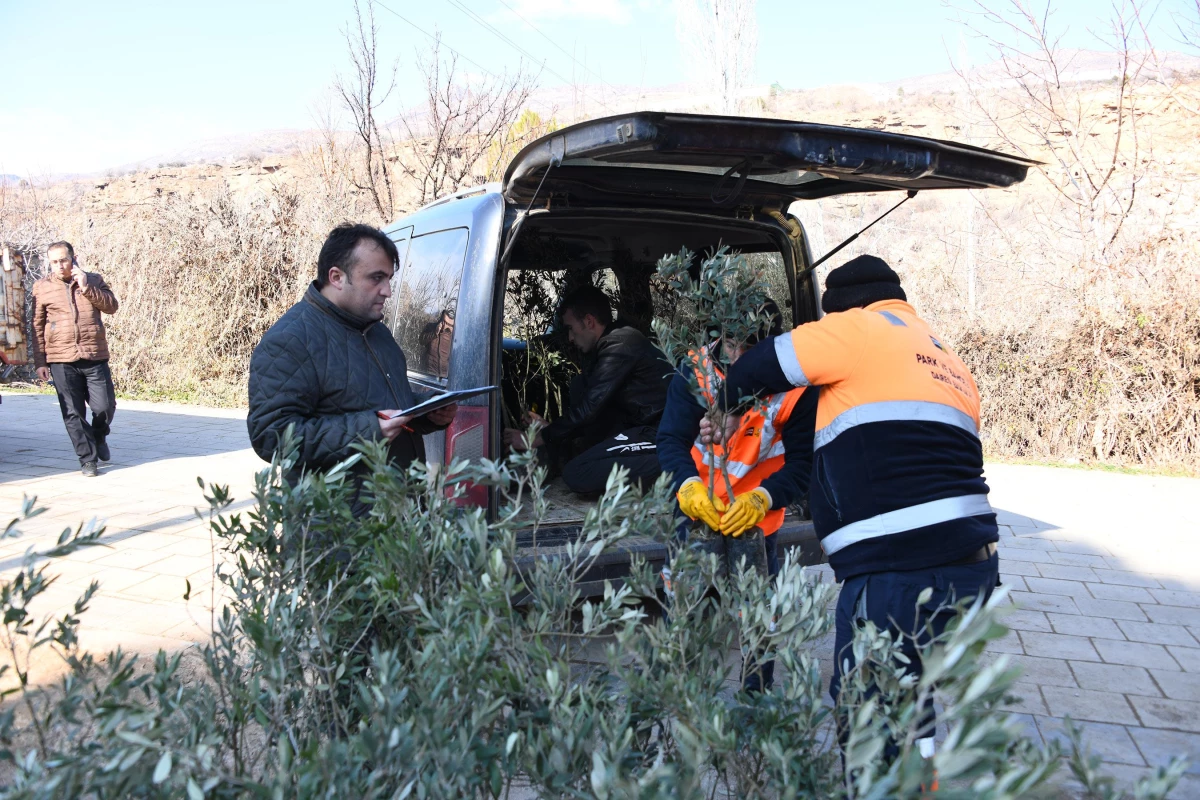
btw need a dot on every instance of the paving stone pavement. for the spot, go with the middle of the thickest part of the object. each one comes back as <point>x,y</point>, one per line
<point>148,497</point>
<point>1104,568</point>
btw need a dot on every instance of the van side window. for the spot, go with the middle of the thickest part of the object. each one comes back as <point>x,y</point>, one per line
<point>426,300</point>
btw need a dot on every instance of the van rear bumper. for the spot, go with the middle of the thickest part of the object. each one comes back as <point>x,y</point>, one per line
<point>613,566</point>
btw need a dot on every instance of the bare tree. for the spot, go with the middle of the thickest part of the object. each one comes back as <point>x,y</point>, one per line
<point>719,39</point>
<point>1188,24</point>
<point>1180,87</point>
<point>29,219</point>
<point>1086,133</point>
<point>328,152</point>
<point>529,125</point>
<point>362,94</point>
<point>463,120</point>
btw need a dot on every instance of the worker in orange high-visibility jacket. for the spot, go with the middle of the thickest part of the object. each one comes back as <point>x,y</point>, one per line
<point>898,499</point>
<point>768,458</point>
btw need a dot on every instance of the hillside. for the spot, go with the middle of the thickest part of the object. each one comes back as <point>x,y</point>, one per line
<point>930,105</point>
<point>572,103</point>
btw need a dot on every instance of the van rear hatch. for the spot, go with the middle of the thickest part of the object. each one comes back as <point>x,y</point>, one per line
<point>695,161</point>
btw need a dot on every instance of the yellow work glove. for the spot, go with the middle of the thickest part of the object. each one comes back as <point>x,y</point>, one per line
<point>695,502</point>
<point>746,511</point>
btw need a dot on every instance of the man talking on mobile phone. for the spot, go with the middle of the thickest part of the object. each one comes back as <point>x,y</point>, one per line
<point>334,371</point>
<point>70,344</point>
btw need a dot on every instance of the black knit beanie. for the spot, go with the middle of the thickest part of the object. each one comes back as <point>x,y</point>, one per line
<point>860,282</point>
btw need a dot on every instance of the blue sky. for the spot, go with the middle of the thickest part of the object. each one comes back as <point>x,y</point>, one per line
<point>89,85</point>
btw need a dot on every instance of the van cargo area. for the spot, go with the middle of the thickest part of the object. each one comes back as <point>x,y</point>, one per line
<point>557,251</point>
<point>599,203</point>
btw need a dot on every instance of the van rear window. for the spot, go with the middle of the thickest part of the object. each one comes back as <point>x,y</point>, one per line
<point>425,297</point>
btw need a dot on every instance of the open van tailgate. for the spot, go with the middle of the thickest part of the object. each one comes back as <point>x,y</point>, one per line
<point>695,160</point>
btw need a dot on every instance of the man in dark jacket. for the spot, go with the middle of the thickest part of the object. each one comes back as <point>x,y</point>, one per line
<point>767,460</point>
<point>778,450</point>
<point>329,367</point>
<point>615,403</point>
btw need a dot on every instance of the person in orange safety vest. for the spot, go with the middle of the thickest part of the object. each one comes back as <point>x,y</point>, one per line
<point>768,459</point>
<point>899,500</point>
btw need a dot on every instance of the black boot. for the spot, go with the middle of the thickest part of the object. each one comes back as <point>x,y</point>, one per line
<point>89,469</point>
<point>102,451</point>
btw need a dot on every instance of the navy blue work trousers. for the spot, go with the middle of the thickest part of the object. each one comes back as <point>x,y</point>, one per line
<point>762,678</point>
<point>758,677</point>
<point>889,599</point>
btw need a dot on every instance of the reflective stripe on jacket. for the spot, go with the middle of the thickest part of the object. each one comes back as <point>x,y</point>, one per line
<point>897,463</point>
<point>756,450</point>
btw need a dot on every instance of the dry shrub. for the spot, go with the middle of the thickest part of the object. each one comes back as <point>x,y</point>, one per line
<point>1077,356</point>
<point>201,277</point>
<point>1120,390</point>
<point>1069,368</point>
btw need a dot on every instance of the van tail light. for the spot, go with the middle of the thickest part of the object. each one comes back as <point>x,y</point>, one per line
<point>467,439</point>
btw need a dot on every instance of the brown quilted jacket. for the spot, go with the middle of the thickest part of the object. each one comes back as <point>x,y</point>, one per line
<point>66,319</point>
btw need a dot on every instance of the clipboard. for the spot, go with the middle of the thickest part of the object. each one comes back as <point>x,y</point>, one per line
<point>438,401</point>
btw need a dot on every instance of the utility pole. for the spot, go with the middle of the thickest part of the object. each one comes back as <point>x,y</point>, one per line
<point>970,253</point>
<point>969,227</point>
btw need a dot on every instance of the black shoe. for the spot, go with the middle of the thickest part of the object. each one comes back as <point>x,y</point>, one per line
<point>102,448</point>
<point>89,469</point>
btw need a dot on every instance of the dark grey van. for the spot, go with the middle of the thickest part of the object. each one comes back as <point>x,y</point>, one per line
<point>613,195</point>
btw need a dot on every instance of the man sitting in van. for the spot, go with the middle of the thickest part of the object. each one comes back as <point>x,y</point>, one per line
<point>615,402</point>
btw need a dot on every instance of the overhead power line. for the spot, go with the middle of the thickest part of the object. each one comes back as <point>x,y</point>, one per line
<point>438,39</point>
<point>492,30</point>
<point>559,47</point>
<point>487,26</point>
<point>472,61</point>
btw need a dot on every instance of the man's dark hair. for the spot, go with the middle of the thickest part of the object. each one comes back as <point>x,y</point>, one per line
<point>338,250</point>
<point>68,245</point>
<point>588,300</point>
